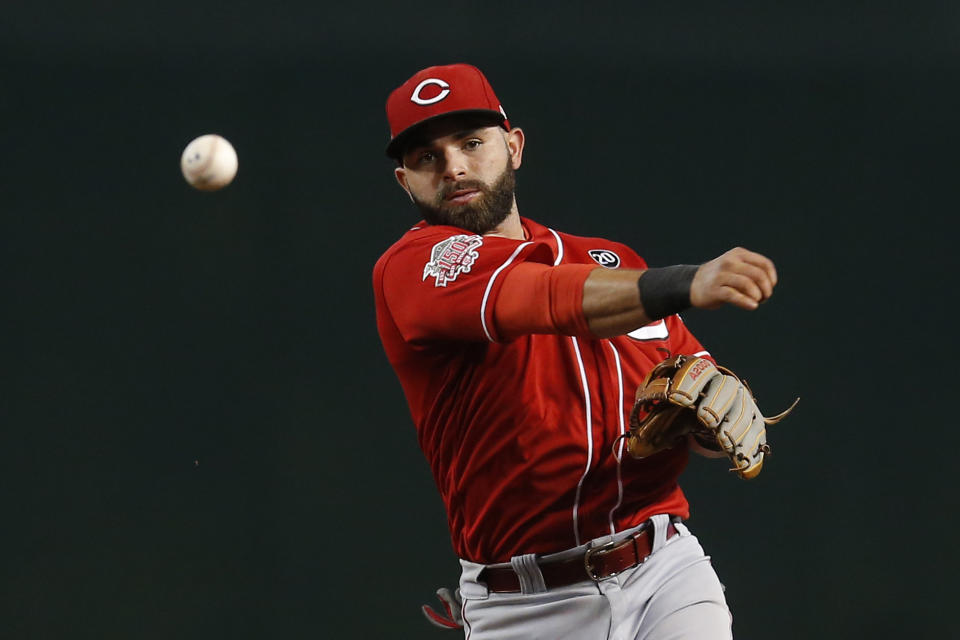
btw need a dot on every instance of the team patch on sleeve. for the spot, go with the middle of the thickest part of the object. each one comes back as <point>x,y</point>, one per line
<point>450,258</point>
<point>605,258</point>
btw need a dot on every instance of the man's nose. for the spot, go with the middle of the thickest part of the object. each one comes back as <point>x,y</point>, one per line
<point>454,165</point>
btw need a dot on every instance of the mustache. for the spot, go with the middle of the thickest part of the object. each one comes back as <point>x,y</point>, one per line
<point>458,186</point>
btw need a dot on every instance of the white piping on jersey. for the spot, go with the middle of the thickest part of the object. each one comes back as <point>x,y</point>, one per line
<point>619,456</point>
<point>486,294</point>
<point>559,247</point>
<point>586,397</point>
<point>701,353</point>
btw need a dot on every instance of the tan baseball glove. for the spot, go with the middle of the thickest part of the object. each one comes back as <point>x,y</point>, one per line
<point>690,395</point>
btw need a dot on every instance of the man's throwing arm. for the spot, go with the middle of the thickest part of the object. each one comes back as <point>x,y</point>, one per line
<point>537,298</point>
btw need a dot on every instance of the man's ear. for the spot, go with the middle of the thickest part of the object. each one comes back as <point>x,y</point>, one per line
<point>401,175</point>
<point>515,141</point>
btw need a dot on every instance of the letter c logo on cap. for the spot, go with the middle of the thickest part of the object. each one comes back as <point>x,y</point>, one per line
<point>445,91</point>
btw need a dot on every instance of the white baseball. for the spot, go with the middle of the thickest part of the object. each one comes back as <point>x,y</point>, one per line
<point>209,162</point>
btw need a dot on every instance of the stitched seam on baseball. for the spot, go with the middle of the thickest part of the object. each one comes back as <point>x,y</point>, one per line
<point>208,161</point>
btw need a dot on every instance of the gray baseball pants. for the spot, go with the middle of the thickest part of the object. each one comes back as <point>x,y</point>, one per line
<point>674,595</point>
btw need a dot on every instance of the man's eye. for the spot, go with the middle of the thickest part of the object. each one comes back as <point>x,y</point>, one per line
<point>472,144</point>
<point>426,157</point>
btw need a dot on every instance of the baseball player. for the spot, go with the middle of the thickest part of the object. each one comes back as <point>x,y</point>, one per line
<point>519,349</point>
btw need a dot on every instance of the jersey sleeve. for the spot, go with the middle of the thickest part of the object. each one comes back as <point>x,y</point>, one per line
<point>681,340</point>
<point>441,285</point>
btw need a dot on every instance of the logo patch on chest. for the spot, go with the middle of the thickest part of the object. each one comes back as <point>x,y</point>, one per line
<point>605,258</point>
<point>450,258</point>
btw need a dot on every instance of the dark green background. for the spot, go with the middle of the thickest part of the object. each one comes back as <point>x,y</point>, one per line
<point>201,435</point>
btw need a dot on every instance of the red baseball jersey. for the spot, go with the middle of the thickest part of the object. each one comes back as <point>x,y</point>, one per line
<point>521,435</point>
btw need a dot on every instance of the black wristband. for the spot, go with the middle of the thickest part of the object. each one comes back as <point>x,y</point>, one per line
<point>666,290</point>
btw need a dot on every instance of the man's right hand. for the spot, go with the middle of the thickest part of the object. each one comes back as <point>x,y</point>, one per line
<point>738,277</point>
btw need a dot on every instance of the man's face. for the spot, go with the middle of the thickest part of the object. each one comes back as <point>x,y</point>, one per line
<point>461,174</point>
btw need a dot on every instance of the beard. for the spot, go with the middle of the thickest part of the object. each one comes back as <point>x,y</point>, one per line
<point>482,214</point>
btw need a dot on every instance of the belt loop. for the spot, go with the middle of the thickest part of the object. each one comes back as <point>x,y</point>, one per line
<point>528,571</point>
<point>660,522</point>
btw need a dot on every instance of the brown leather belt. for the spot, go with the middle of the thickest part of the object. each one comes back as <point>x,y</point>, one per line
<point>597,563</point>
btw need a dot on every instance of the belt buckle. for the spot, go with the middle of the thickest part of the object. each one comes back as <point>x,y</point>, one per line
<point>601,548</point>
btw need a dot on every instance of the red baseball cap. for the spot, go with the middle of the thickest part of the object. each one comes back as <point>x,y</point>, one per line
<point>439,91</point>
